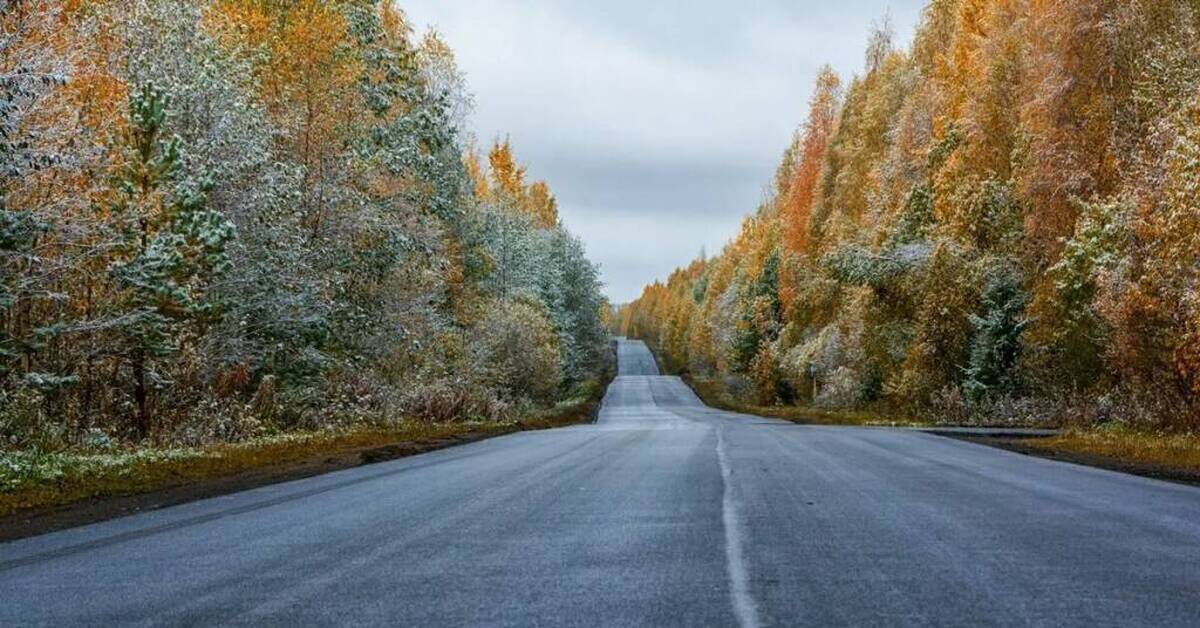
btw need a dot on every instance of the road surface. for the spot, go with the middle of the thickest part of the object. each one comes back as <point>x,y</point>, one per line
<point>664,513</point>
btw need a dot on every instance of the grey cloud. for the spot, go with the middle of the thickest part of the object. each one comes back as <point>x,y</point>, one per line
<point>673,190</point>
<point>658,123</point>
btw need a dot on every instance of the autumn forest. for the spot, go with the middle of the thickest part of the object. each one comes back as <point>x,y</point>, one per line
<point>229,219</point>
<point>251,221</point>
<point>998,224</point>
<point>293,330</point>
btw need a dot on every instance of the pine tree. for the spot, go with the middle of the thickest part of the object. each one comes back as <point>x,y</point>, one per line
<point>996,345</point>
<point>167,247</point>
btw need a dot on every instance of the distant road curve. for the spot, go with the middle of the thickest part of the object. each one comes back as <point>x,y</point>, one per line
<point>663,513</point>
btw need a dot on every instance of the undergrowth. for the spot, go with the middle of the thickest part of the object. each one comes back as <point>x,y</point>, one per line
<point>39,478</point>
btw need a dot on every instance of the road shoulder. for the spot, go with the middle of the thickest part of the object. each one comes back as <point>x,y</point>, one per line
<point>74,501</point>
<point>1173,458</point>
<point>1076,450</point>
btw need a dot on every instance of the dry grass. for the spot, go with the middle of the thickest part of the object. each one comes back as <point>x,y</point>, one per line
<point>714,394</point>
<point>1164,455</point>
<point>41,481</point>
<point>1169,450</point>
<point>1157,454</point>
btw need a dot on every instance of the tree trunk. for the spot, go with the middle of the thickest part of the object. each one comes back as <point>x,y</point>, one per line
<point>139,393</point>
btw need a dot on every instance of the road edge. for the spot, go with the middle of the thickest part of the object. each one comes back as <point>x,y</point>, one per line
<point>38,521</point>
<point>1153,471</point>
<point>1015,440</point>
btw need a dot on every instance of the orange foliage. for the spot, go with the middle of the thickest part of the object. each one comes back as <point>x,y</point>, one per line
<point>504,183</point>
<point>306,75</point>
<point>822,116</point>
<point>1066,111</point>
<point>542,204</point>
<point>928,229</point>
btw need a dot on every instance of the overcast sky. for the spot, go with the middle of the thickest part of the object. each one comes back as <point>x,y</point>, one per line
<point>658,123</point>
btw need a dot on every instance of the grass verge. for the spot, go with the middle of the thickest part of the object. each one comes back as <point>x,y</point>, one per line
<point>33,480</point>
<point>714,394</point>
<point>46,491</point>
<point>1166,456</point>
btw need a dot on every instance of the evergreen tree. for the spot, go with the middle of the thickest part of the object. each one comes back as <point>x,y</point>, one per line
<point>166,248</point>
<point>996,346</point>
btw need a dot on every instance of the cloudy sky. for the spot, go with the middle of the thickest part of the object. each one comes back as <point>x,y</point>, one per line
<point>658,123</point>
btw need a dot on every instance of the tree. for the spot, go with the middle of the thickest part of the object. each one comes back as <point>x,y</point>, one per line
<point>226,217</point>
<point>1066,113</point>
<point>507,177</point>
<point>166,247</point>
<point>521,350</point>
<point>542,204</point>
<point>996,345</point>
<point>1005,211</point>
<point>802,179</point>
<point>445,81</point>
<point>29,72</point>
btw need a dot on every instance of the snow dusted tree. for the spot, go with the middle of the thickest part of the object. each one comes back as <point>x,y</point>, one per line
<point>165,246</point>
<point>445,81</point>
<point>32,65</point>
<point>239,213</point>
<point>277,309</point>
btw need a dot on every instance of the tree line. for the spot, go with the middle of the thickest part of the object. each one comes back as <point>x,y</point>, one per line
<point>225,217</point>
<point>1000,222</point>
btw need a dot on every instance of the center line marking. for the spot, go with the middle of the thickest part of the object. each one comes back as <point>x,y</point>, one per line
<point>744,607</point>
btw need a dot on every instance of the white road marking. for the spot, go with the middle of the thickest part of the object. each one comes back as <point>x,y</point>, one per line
<point>744,607</point>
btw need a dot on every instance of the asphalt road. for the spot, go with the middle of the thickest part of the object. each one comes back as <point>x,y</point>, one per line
<point>664,513</point>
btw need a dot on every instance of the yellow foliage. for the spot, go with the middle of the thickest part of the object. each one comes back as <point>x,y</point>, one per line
<point>965,160</point>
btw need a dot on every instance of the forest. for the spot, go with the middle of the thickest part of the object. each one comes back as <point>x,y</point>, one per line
<point>229,218</point>
<point>998,224</point>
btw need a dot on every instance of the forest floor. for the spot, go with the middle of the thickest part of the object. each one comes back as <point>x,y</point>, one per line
<point>62,490</point>
<point>1165,456</point>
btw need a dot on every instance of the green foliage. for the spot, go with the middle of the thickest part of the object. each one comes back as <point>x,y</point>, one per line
<point>21,89</point>
<point>1077,339</point>
<point>990,217</point>
<point>19,232</point>
<point>273,229</point>
<point>917,217</point>
<point>700,290</point>
<point>942,328</point>
<point>168,246</point>
<point>760,317</point>
<point>941,151</point>
<point>857,266</point>
<point>24,422</point>
<point>996,345</point>
<point>521,350</point>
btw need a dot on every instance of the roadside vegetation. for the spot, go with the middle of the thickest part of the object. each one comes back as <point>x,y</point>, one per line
<point>997,225</point>
<point>716,393</point>
<point>235,232</point>
<point>38,481</point>
<point>1162,454</point>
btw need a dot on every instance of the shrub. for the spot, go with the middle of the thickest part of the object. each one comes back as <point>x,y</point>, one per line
<point>996,345</point>
<point>25,423</point>
<point>520,351</point>
<point>452,399</point>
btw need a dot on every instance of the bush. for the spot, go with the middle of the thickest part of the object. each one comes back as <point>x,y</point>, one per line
<point>447,400</point>
<point>25,423</point>
<point>519,351</point>
<point>996,345</point>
